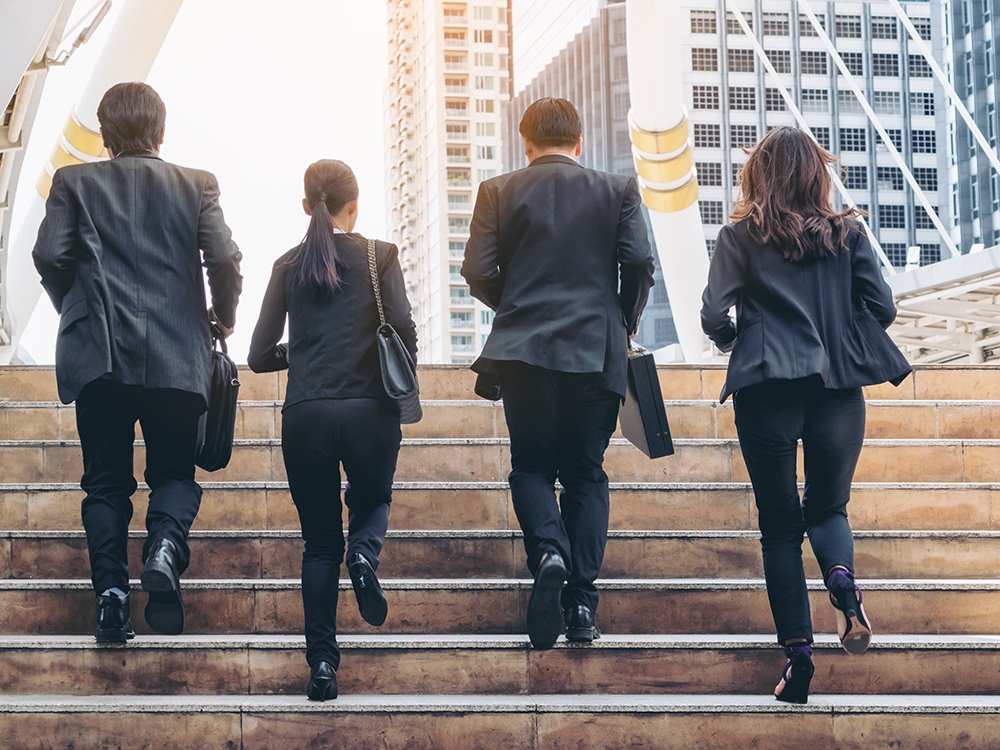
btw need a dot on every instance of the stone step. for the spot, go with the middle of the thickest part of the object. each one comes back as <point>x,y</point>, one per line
<point>491,665</point>
<point>416,554</point>
<point>936,382</point>
<point>441,722</point>
<point>955,506</point>
<point>489,606</point>
<point>488,460</point>
<point>886,419</point>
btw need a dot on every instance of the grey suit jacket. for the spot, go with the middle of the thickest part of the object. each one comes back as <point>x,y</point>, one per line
<point>120,253</point>
<point>562,254</point>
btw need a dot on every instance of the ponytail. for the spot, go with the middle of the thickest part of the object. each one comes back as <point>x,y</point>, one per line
<point>329,186</point>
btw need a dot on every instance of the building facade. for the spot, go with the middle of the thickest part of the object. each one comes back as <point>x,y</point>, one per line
<point>449,74</point>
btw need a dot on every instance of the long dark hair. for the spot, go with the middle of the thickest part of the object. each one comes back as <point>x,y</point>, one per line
<point>330,185</point>
<point>785,197</point>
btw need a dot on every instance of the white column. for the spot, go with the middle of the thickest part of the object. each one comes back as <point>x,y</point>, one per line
<point>661,138</point>
<point>128,55</point>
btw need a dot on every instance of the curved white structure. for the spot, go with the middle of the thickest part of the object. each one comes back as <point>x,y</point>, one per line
<point>128,55</point>
<point>662,148</point>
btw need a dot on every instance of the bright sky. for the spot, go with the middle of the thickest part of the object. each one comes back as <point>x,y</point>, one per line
<point>255,90</point>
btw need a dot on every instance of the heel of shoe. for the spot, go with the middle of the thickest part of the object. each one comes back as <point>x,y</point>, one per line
<point>847,599</point>
<point>797,675</point>
<point>322,683</point>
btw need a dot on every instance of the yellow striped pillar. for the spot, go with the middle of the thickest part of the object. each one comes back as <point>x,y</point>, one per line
<point>78,144</point>
<point>665,161</point>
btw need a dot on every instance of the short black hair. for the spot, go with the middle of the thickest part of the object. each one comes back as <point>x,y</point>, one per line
<point>132,116</point>
<point>551,122</point>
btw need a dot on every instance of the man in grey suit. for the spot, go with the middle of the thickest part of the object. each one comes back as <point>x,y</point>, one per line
<point>120,253</point>
<point>562,254</point>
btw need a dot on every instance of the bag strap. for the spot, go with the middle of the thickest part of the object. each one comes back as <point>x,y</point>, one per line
<point>373,270</point>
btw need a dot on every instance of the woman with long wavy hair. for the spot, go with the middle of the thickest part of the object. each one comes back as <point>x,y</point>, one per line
<point>811,309</point>
<point>336,410</point>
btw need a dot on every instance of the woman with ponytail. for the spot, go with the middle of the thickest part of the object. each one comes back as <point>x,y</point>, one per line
<point>336,411</point>
<point>811,312</point>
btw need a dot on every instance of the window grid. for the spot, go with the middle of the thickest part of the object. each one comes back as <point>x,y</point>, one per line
<point>890,178</point>
<point>706,97</point>
<point>919,67</point>
<point>704,58</point>
<point>896,136</point>
<point>887,103</point>
<point>924,142</point>
<point>806,28</point>
<point>848,27</point>
<point>733,26</point>
<point>737,170</point>
<point>922,103</point>
<point>742,97</point>
<point>895,252</point>
<point>921,219</point>
<point>776,24</point>
<point>741,61</point>
<point>891,216</point>
<point>774,101</point>
<point>853,139</point>
<point>885,64</point>
<point>709,173</point>
<point>923,27</point>
<point>815,100</point>
<point>710,246</point>
<point>781,59</point>
<point>929,254</point>
<point>711,212</point>
<point>742,135</point>
<point>707,136</point>
<point>883,28</point>
<point>822,136</point>
<point>848,103</point>
<point>855,62</point>
<point>813,63</point>
<point>856,178</point>
<point>703,22</point>
<point>926,177</point>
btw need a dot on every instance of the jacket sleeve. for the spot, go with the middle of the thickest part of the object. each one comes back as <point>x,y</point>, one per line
<point>727,275</point>
<point>869,285</point>
<point>53,254</point>
<point>266,354</point>
<point>635,257</point>
<point>481,267</point>
<point>395,303</point>
<point>221,255</point>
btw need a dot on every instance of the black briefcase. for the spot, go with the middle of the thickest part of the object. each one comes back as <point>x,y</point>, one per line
<point>642,417</point>
<point>218,424</point>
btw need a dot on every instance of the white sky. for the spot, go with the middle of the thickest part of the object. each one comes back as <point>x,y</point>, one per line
<point>256,90</point>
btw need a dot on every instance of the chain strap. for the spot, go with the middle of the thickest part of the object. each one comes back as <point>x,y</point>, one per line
<point>373,270</point>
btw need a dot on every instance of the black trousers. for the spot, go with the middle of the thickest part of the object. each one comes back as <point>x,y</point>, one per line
<point>560,425</point>
<point>106,413</point>
<point>317,437</point>
<point>770,419</point>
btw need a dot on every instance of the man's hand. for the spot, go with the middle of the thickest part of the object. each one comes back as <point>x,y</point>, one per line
<point>219,330</point>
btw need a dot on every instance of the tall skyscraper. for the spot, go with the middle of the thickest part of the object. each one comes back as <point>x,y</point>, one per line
<point>449,73</point>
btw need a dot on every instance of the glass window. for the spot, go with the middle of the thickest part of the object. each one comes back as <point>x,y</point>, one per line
<point>704,58</point>
<point>775,101</point>
<point>890,178</point>
<point>484,59</point>
<point>922,103</point>
<point>709,173</point>
<point>741,61</point>
<point>853,139</point>
<point>711,212</point>
<point>822,136</point>
<point>891,217</point>
<point>483,36</point>
<point>733,26</point>
<point>848,27</point>
<point>813,63</point>
<point>703,22</point>
<point>856,178</point>
<point>742,97</point>
<point>775,24</point>
<point>781,59</point>
<point>854,62</point>
<point>707,136</point>
<point>737,174</point>
<point>815,100</point>
<point>921,220</point>
<point>887,102</point>
<point>485,174</point>
<point>742,135</point>
<point>706,97</point>
<point>848,103</point>
<point>895,252</point>
<point>620,67</point>
<point>486,152</point>
<point>920,68</point>
<point>885,64</point>
<point>806,28</point>
<point>926,177</point>
<point>923,27</point>
<point>883,27</point>
<point>924,142</point>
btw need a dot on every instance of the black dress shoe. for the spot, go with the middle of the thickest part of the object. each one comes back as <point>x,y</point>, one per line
<point>580,625</point>
<point>165,610</point>
<point>322,682</point>
<point>113,623</point>
<point>544,610</point>
<point>371,600</point>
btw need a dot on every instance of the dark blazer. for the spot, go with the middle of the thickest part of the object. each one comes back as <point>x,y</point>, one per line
<point>332,350</point>
<point>823,317</point>
<point>547,248</point>
<point>120,253</point>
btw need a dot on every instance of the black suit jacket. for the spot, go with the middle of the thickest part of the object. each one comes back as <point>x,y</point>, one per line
<point>562,254</point>
<point>120,253</point>
<point>822,317</point>
<point>332,350</point>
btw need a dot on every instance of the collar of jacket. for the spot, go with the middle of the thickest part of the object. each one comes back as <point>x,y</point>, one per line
<point>138,155</point>
<point>556,159</point>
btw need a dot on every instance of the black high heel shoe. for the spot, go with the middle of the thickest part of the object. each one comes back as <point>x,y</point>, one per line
<point>322,682</point>
<point>796,675</point>
<point>853,627</point>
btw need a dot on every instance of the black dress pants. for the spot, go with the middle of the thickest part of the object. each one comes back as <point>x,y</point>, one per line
<point>560,424</point>
<point>770,419</point>
<point>317,437</point>
<point>106,413</point>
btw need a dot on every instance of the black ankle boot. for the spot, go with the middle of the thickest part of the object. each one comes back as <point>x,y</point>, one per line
<point>322,682</point>
<point>113,622</point>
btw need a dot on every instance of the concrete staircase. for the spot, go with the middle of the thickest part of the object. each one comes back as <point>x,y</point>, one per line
<point>688,658</point>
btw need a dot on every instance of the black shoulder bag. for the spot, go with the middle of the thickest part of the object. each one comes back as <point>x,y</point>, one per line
<point>218,425</point>
<point>399,373</point>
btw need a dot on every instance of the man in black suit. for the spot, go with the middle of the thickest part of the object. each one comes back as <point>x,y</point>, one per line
<point>548,246</point>
<point>120,253</point>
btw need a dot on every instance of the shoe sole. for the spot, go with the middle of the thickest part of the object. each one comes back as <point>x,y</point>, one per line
<point>582,635</point>
<point>857,640</point>
<point>113,635</point>
<point>325,690</point>
<point>544,607</point>
<point>165,610</point>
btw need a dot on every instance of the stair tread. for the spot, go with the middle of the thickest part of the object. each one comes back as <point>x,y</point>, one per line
<point>576,703</point>
<point>492,441</point>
